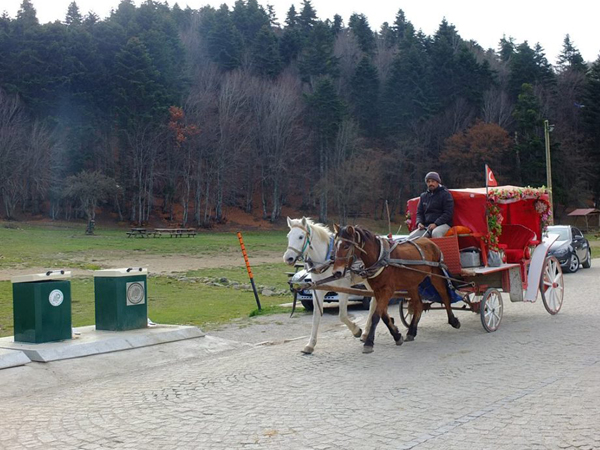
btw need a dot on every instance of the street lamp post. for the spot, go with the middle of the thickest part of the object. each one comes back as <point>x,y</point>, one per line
<point>547,129</point>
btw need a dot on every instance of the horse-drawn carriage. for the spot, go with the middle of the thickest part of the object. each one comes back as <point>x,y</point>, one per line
<point>496,246</point>
<point>507,222</point>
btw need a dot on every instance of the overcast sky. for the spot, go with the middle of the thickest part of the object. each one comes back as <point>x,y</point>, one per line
<point>485,22</point>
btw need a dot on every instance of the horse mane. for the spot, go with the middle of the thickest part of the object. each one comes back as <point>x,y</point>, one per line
<point>365,234</point>
<point>318,229</point>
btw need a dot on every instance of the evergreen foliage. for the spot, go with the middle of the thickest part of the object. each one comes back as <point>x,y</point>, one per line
<point>570,58</point>
<point>91,95</point>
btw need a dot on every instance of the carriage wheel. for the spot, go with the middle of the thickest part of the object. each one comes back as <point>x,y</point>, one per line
<point>405,316</point>
<point>552,285</point>
<point>491,310</point>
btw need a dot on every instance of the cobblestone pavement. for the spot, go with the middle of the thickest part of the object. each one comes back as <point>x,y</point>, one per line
<point>533,384</point>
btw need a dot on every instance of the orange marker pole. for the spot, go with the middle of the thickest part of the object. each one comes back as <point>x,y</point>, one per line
<point>239,235</point>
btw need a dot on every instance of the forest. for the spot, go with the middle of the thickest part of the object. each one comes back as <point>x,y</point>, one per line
<point>181,114</point>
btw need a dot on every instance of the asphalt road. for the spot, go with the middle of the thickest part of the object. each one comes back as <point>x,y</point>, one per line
<point>533,384</point>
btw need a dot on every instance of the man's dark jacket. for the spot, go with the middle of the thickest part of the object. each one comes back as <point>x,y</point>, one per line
<point>436,206</point>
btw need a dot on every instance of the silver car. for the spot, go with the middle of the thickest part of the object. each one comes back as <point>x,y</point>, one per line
<point>306,296</point>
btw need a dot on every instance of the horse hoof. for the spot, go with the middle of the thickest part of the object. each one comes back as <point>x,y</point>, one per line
<point>308,350</point>
<point>368,349</point>
<point>358,334</point>
<point>455,324</point>
<point>409,338</point>
<point>363,338</point>
<point>400,340</point>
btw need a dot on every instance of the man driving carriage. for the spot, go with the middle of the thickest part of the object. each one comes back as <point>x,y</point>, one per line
<point>435,210</point>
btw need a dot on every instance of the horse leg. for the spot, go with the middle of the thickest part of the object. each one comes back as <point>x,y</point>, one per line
<point>372,308</point>
<point>317,308</point>
<point>417,307</point>
<point>370,340</point>
<point>380,311</point>
<point>389,322</point>
<point>354,329</point>
<point>442,288</point>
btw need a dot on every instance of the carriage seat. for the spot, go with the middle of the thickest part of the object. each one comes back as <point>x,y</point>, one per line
<point>515,241</point>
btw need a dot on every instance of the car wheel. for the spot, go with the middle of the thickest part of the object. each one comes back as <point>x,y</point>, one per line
<point>308,304</point>
<point>573,265</point>
<point>366,303</point>
<point>588,260</point>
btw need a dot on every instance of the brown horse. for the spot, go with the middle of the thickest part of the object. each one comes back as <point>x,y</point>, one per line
<point>358,243</point>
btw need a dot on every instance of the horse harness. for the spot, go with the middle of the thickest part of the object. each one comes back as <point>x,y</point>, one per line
<point>385,249</point>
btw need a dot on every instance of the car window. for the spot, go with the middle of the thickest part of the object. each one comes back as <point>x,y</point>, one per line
<point>562,232</point>
<point>577,233</point>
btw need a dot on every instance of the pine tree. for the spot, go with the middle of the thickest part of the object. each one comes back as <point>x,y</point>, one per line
<point>388,35</point>
<point>317,57</point>
<point>506,48</point>
<point>545,73</point>
<point>530,147</point>
<point>570,58</point>
<point>307,17</point>
<point>225,43</point>
<point>359,26</point>
<point>73,15</point>
<point>337,25</point>
<point>400,24</point>
<point>265,53</point>
<point>442,54</point>
<point>407,95</point>
<point>326,114</point>
<point>291,44</point>
<point>27,15</point>
<point>526,66</point>
<point>249,17</point>
<point>365,96</point>
<point>140,98</point>
<point>291,19</point>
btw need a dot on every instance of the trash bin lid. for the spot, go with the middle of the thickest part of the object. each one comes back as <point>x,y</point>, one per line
<point>124,272</point>
<point>46,276</point>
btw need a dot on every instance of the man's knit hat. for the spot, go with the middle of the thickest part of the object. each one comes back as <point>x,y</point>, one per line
<point>433,176</point>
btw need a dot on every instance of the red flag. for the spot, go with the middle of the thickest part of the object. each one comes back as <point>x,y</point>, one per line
<point>490,179</point>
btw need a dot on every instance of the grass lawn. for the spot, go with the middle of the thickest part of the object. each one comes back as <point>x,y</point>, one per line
<point>50,246</point>
<point>170,300</point>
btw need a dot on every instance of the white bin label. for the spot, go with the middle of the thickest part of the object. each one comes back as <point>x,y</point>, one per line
<point>136,293</point>
<point>56,297</point>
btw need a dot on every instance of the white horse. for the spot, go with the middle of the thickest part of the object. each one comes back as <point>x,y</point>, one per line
<point>314,242</point>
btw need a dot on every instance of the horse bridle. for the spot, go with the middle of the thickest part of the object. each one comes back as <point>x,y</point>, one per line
<point>305,245</point>
<point>350,257</point>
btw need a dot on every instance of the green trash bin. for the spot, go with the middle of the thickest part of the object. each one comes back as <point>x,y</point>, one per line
<point>121,299</point>
<point>42,307</point>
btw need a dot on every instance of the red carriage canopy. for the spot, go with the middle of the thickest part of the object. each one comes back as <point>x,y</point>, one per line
<point>518,206</point>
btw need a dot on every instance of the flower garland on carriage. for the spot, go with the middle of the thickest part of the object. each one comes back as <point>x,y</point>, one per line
<point>510,194</point>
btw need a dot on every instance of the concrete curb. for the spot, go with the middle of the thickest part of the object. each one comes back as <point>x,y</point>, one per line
<point>12,358</point>
<point>93,342</point>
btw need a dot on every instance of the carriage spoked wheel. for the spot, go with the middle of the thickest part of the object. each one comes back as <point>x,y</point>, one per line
<point>405,316</point>
<point>552,285</point>
<point>491,310</point>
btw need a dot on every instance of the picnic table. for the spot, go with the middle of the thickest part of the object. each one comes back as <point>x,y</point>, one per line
<point>176,232</point>
<point>138,232</point>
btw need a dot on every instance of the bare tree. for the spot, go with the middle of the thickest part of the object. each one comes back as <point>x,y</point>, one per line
<point>88,189</point>
<point>144,142</point>
<point>277,110</point>
<point>497,107</point>
<point>233,133</point>
<point>348,52</point>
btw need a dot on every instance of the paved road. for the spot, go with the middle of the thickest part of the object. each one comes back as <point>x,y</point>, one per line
<point>533,384</point>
